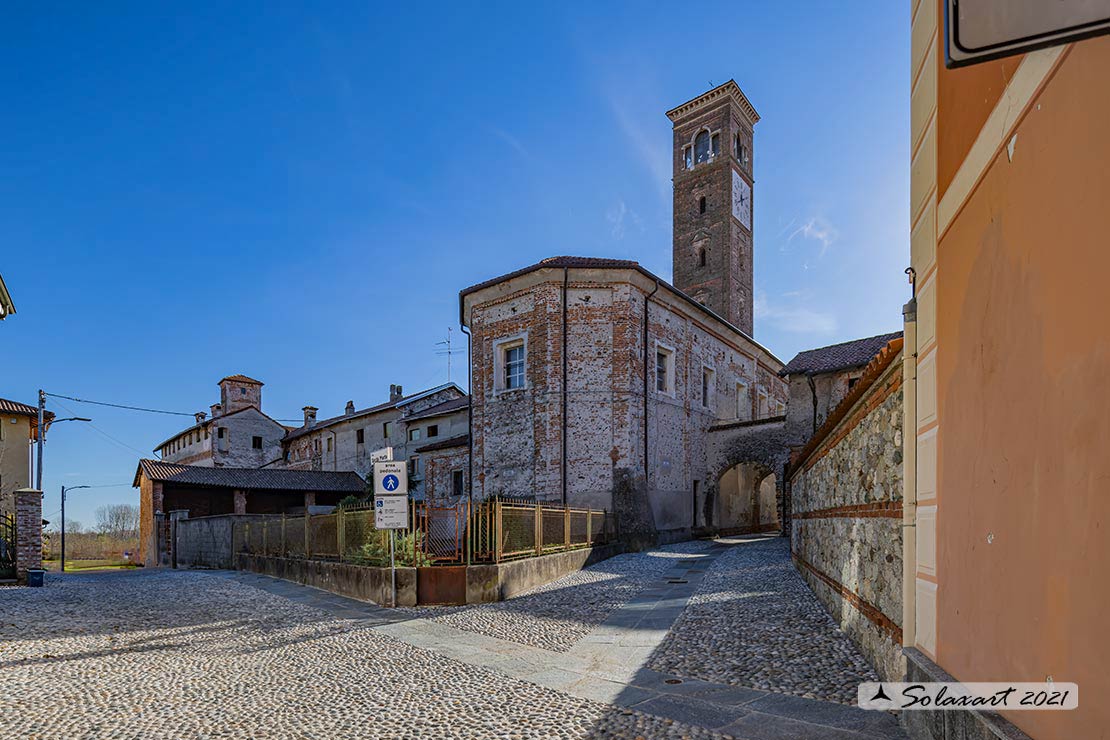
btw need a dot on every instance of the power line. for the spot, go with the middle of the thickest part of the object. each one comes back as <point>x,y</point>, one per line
<point>136,408</point>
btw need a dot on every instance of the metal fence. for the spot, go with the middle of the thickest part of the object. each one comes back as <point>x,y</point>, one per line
<point>486,532</point>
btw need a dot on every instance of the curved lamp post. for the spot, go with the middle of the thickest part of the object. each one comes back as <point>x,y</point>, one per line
<point>64,489</point>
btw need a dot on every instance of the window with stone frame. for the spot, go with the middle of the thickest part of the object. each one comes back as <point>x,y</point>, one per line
<point>510,364</point>
<point>458,483</point>
<point>664,369</point>
<point>708,383</point>
<point>743,403</point>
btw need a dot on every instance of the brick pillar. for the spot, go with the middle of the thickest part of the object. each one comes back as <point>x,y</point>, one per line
<point>240,502</point>
<point>28,531</point>
<point>309,499</point>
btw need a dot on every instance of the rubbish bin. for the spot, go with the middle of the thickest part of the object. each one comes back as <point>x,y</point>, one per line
<point>35,577</point>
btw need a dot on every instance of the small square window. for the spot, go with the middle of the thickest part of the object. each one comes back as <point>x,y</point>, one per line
<point>360,436</point>
<point>256,443</point>
<point>414,435</point>
<point>433,430</point>
<point>242,391</point>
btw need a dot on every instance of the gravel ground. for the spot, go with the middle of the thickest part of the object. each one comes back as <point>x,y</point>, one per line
<point>755,623</point>
<point>189,655</point>
<point>557,615</point>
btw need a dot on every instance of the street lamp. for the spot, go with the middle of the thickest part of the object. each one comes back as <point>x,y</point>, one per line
<point>64,489</point>
<point>42,431</point>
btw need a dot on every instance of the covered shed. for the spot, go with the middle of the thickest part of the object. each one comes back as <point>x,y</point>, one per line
<point>203,491</point>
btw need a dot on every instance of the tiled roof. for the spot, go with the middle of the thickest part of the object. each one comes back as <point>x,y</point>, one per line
<point>556,262</point>
<point>445,444</point>
<point>15,407</point>
<point>301,431</point>
<point>242,379</point>
<point>250,478</point>
<point>843,356</point>
<point>440,409</point>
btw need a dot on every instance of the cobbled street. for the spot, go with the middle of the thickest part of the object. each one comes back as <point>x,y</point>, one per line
<point>193,654</point>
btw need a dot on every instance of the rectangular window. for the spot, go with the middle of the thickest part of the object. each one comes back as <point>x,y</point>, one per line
<point>414,435</point>
<point>433,430</point>
<point>514,367</point>
<point>715,144</point>
<point>329,444</point>
<point>762,408</point>
<point>387,429</point>
<point>221,433</point>
<point>743,402</point>
<point>687,157</point>
<point>458,483</point>
<point>316,445</point>
<point>664,370</point>
<point>706,387</point>
<point>414,466</point>
<point>360,436</point>
<point>256,443</point>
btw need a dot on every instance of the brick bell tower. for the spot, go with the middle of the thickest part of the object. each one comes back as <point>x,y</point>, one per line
<point>713,247</point>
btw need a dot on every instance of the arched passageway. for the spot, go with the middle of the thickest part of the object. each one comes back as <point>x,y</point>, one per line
<point>747,500</point>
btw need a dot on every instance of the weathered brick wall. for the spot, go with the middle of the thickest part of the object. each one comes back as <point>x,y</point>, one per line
<point>847,520</point>
<point>439,467</point>
<point>518,433</point>
<point>28,531</point>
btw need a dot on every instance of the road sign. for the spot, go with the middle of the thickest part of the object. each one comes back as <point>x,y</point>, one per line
<point>391,478</point>
<point>391,512</point>
<point>383,455</point>
<point>980,30</point>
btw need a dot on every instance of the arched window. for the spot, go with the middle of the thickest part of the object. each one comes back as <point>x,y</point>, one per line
<point>741,151</point>
<point>701,147</point>
<point>701,257</point>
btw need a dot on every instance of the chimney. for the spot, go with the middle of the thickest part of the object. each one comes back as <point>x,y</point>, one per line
<point>395,393</point>
<point>216,409</point>
<point>309,415</point>
<point>350,408</point>
<point>199,416</point>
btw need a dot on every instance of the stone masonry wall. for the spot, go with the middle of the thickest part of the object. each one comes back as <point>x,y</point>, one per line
<point>28,531</point>
<point>847,521</point>
<point>439,466</point>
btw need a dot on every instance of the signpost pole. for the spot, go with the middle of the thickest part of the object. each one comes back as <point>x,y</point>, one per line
<point>393,568</point>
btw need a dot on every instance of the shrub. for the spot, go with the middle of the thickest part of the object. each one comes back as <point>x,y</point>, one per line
<point>407,552</point>
<point>350,502</point>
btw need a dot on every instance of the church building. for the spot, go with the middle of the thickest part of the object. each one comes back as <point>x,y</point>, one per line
<point>596,383</point>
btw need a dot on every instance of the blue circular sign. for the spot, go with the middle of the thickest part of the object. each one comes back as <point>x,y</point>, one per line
<point>390,482</point>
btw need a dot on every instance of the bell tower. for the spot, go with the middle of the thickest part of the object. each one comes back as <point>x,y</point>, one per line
<point>713,245</point>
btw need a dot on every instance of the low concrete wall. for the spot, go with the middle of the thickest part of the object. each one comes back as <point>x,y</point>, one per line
<point>484,583</point>
<point>356,581</point>
<point>205,542</point>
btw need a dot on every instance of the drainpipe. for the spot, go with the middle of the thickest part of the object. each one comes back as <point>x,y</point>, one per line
<point>566,274</point>
<point>647,298</point>
<point>813,392</point>
<point>469,417</point>
<point>909,473</point>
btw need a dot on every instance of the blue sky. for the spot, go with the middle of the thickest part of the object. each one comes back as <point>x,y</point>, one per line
<point>298,192</point>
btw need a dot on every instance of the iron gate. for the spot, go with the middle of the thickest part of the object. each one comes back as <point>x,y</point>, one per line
<point>444,528</point>
<point>7,546</point>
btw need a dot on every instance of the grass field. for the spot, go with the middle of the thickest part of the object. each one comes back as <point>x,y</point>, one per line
<point>77,566</point>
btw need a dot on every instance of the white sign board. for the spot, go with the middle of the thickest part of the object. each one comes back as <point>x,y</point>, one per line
<point>391,512</point>
<point>382,455</point>
<point>979,30</point>
<point>391,478</point>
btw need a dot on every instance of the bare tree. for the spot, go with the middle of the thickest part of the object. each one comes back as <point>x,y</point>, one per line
<point>117,520</point>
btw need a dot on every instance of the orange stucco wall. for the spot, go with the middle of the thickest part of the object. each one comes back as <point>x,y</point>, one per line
<point>1023,385</point>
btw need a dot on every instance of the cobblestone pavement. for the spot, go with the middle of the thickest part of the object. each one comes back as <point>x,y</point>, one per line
<point>162,654</point>
<point>755,623</point>
<point>557,615</point>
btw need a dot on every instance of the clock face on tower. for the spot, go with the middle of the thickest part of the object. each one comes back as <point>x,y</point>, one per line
<point>741,200</point>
